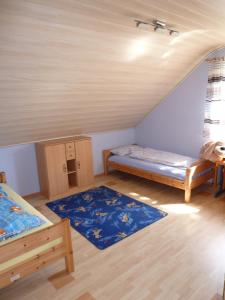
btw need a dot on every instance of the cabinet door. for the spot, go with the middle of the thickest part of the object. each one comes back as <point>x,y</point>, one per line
<point>57,169</point>
<point>84,162</point>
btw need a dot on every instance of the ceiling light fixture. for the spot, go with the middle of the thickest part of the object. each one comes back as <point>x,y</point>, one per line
<point>158,26</point>
<point>142,25</point>
<point>174,33</point>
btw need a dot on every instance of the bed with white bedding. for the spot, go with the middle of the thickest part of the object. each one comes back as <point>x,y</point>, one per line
<point>164,167</point>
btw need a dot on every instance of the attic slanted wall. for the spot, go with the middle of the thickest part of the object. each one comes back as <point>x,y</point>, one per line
<point>75,67</point>
<point>176,124</point>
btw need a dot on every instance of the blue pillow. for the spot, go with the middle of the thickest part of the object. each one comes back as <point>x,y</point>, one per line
<point>13,219</point>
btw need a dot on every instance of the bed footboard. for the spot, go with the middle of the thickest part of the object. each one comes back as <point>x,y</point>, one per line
<point>199,172</point>
<point>63,249</point>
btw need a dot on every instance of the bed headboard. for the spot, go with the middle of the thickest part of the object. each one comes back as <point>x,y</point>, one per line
<point>2,177</point>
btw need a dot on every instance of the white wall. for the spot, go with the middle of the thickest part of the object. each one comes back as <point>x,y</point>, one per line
<point>176,124</point>
<point>19,162</point>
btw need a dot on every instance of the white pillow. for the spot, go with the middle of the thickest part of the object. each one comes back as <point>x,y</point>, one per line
<point>125,150</point>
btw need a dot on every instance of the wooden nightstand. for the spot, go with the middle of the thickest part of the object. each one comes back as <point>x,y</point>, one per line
<point>219,178</point>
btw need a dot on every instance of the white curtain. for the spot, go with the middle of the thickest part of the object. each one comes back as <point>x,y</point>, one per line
<point>214,121</point>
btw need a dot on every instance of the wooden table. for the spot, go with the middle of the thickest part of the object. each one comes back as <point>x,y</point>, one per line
<point>219,178</point>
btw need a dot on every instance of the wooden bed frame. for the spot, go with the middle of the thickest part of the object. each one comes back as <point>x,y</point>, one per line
<point>187,185</point>
<point>30,242</point>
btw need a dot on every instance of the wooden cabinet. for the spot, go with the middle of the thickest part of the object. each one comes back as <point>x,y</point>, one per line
<point>56,169</point>
<point>64,164</point>
<point>84,164</point>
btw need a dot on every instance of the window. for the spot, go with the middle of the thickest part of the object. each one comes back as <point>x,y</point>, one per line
<point>214,122</point>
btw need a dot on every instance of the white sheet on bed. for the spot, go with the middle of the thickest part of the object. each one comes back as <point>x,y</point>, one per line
<point>162,157</point>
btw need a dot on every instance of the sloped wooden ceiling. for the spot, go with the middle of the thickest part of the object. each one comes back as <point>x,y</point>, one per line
<point>79,66</point>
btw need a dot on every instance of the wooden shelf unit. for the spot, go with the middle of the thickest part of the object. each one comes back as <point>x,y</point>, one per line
<point>72,178</point>
<point>64,164</point>
<point>71,166</point>
<point>71,172</point>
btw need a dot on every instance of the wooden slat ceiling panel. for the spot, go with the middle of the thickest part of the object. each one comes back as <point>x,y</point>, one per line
<point>79,66</point>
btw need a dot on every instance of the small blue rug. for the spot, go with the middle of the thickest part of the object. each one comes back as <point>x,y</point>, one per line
<point>105,216</point>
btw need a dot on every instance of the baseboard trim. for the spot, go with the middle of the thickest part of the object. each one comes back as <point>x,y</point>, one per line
<point>29,196</point>
<point>99,175</point>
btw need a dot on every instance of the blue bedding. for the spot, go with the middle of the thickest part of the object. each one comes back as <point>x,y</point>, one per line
<point>157,168</point>
<point>13,219</point>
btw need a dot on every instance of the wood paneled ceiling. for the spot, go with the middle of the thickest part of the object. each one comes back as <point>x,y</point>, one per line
<point>77,66</point>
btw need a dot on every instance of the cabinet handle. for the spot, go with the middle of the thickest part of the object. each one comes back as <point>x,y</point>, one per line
<point>64,168</point>
<point>78,165</point>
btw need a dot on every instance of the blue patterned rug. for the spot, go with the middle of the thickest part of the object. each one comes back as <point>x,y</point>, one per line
<point>105,216</point>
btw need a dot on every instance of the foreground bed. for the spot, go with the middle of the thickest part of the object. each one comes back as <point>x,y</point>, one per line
<point>30,251</point>
<point>198,173</point>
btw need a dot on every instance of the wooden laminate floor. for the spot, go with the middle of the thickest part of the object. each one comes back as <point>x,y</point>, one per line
<point>179,257</point>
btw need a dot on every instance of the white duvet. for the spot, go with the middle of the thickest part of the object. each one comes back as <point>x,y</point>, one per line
<point>162,157</point>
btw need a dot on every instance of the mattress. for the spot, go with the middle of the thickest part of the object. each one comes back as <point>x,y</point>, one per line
<point>177,173</point>
<point>27,207</point>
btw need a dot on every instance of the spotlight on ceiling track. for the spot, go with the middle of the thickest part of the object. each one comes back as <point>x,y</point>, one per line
<point>159,26</point>
<point>142,25</point>
<point>174,33</point>
<point>160,29</point>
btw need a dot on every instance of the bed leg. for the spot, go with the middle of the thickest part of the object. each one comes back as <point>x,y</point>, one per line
<point>187,195</point>
<point>69,250</point>
<point>106,170</point>
<point>106,155</point>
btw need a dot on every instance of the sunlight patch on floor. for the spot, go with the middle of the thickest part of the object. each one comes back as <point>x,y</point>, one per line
<point>154,202</point>
<point>134,194</point>
<point>181,209</point>
<point>143,198</point>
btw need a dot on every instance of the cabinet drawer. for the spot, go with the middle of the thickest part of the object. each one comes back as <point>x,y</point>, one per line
<point>70,151</point>
<point>70,155</point>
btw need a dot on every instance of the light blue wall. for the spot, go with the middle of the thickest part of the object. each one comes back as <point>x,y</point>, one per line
<point>176,124</point>
<point>107,140</point>
<point>19,162</point>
